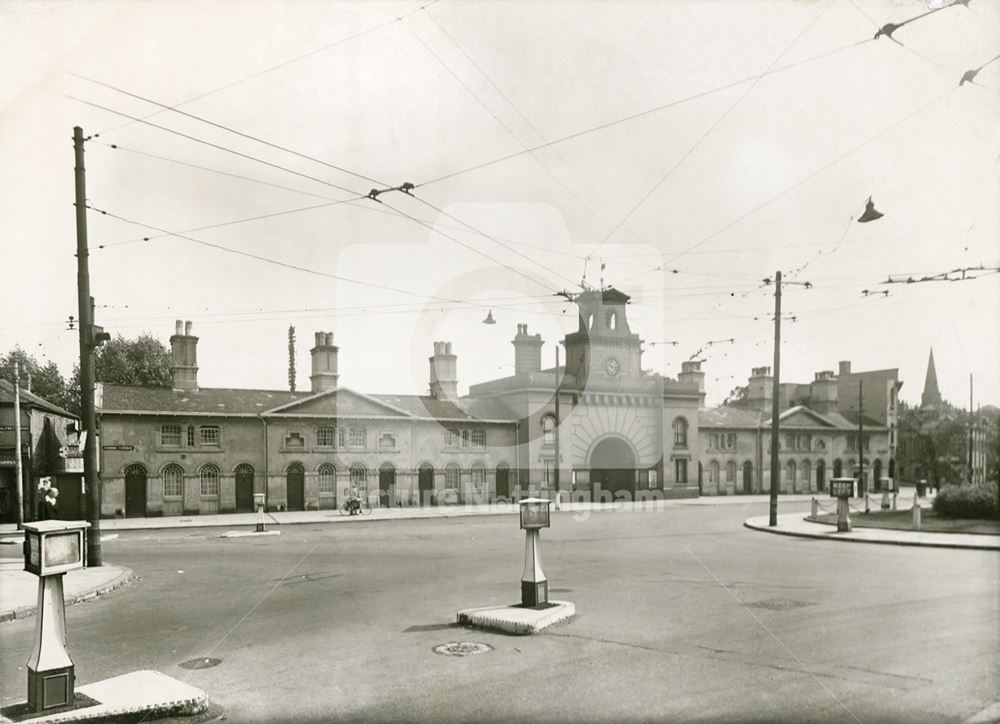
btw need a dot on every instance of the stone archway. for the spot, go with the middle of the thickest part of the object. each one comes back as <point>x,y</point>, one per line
<point>135,491</point>
<point>612,468</point>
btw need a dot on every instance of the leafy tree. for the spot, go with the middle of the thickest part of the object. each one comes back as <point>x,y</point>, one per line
<point>46,381</point>
<point>144,361</point>
<point>737,396</point>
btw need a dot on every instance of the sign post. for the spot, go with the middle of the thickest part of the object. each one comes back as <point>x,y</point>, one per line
<point>258,501</point>
<point>534,585</point>
<point>886,486</point>
<point>51,548</point>
<point>841,489</point>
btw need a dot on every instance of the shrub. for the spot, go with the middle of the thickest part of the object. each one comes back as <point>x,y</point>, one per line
<point>968,501</point>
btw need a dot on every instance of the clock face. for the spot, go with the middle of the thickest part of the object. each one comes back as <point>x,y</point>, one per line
<point>612,366</point>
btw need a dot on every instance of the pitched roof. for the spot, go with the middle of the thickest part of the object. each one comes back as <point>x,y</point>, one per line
<point>29,399</point>
<point>471,408</point>
<point>729,417</point>
<point>219,401</point>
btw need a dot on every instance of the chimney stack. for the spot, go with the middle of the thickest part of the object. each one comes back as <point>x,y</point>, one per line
<point>761,389</point>
<point>184,357</point>
<point>324,363</point>
<point>691,374</point>
<point>527,351</point>
<point>444,372</point>
<point>845,367</point>
<point>823,392</point>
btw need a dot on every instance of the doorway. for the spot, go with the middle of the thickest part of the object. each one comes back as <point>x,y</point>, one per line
<point>503,481</point>
<point>387,485</point>
<point>135,491</point>
<point>612,469</point>
<point>244,488</point>
<point>295,480</point>
<point>425,484</point>
<point>747,477</point>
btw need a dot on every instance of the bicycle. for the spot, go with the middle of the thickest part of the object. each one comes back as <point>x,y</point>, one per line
<point>363,506</point>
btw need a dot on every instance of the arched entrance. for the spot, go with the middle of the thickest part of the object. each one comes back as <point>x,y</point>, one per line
<point>612,468</point>
<point>244,488</point>
<point>820,475</point>
<point>425,483</point>
<point>503,481</point>
<point>295,491</point>
<point>135,491</point>
<point>748,477</point>
<point>387,485</point>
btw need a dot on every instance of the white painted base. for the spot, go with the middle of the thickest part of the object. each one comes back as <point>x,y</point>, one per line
<point>515,619</point>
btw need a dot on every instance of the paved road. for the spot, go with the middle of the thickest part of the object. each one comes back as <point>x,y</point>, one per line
<point>683,615</point>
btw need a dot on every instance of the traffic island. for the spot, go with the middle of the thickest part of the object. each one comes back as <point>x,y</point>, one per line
<point>147,693</point>
<point>517,619</point>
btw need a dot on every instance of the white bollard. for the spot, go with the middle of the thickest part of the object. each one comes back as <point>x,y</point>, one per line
<point>916,514</point>
<point>815,508</point>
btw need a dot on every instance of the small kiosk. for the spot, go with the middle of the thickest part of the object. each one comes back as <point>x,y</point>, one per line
<point>841,489</point>
<point>534,585</point>
<point>51,548</point>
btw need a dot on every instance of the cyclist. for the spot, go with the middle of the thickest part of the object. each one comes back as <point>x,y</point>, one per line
<point>354,502</point>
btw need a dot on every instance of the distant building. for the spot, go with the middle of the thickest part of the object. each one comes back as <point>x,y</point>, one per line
<point>48,448</point>
<point>617,430</point>
<point>819,428</point>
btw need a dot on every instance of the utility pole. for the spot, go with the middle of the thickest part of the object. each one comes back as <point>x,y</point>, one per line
<point>18,462</point>
<point>90,337</point>
<point>558,421</point>
<point>971,427</point>
<point>861,443</point>
<point>775,463</point>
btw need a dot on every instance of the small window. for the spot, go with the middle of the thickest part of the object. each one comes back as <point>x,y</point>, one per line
<point>327,479</point>
<point>681,470</point>
<point>731,441</point>
<point>452,475</point>
<point>465,438</point>
<point>713,441</point>
<point>210,482</point>
<point>477,438</point>
<point>341,437</point>
<point>359,437</point>
<point>359,476</point>
<point>173,481</point>
<point>452,438</point>
<point>680,432</point>
<point>549,430</point>
<point>170,435</point>
<point>190,435</point>
<point>209,434</point>
<point>326,437</point>
<point>612,320</point>
<point>652,478</point>
<point>478,472</point>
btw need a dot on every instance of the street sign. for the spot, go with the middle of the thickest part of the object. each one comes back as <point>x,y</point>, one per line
<point>127,448</point>
<point>841,487</point>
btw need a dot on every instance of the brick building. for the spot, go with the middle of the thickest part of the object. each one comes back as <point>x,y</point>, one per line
<point>190,450</point>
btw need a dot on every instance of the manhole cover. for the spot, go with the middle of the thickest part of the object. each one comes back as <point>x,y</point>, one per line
<point>462,648</point>
<point>780,604</point>
<point>200,663</point>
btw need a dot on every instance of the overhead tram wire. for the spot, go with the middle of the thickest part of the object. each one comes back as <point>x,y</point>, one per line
<point>283,64</point>
<point>471,248</point>
<point>524,118</point>
<point>276,262</point>
<point>216,146</point>
<point>640,114</point>
<point>224,127</point>
<point>708,132</point>
<point>810,176</point>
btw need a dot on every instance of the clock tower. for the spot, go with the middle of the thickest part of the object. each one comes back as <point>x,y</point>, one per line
<point>603,349</point>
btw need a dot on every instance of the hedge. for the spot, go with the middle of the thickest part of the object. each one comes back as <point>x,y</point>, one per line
<point>968,501</point>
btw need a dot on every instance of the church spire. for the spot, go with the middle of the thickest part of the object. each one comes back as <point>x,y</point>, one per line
<point>931,396</point>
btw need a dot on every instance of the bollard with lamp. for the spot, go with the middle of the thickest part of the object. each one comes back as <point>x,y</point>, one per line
<point>51,548</point>
<point>886,486</point>
<point>841,489</point>
<point>534,517</point>
<point>258,503</point>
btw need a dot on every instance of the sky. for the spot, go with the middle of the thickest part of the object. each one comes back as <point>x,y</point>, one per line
<point>680,151</point>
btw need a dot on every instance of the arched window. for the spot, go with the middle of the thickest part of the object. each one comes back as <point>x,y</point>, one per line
<point>838,468</point>
<point>549,430</point>
<point>359,476</point>
<point>806,471</point>
<point>731,472</point>
<point>612,320</point>
<point>791,471</point>
<point>680,432</point>
<point>478,472</point>
<point>713,471</point>
<point>590,321</point>
<point>731,441</point>
<point>210,481</point>
<point>173,481</point>
<point>327,478</point>
<point>452,475</point>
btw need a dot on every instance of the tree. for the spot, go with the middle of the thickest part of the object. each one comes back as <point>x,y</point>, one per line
<point>737,396</point>
<point>46,381</point>
<point>143,361</point>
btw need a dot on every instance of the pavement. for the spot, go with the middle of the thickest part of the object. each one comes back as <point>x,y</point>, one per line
<point>19,589</point>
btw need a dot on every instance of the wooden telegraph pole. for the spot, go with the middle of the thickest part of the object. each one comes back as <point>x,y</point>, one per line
<point>90,337</point>
<point>775,403</point>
